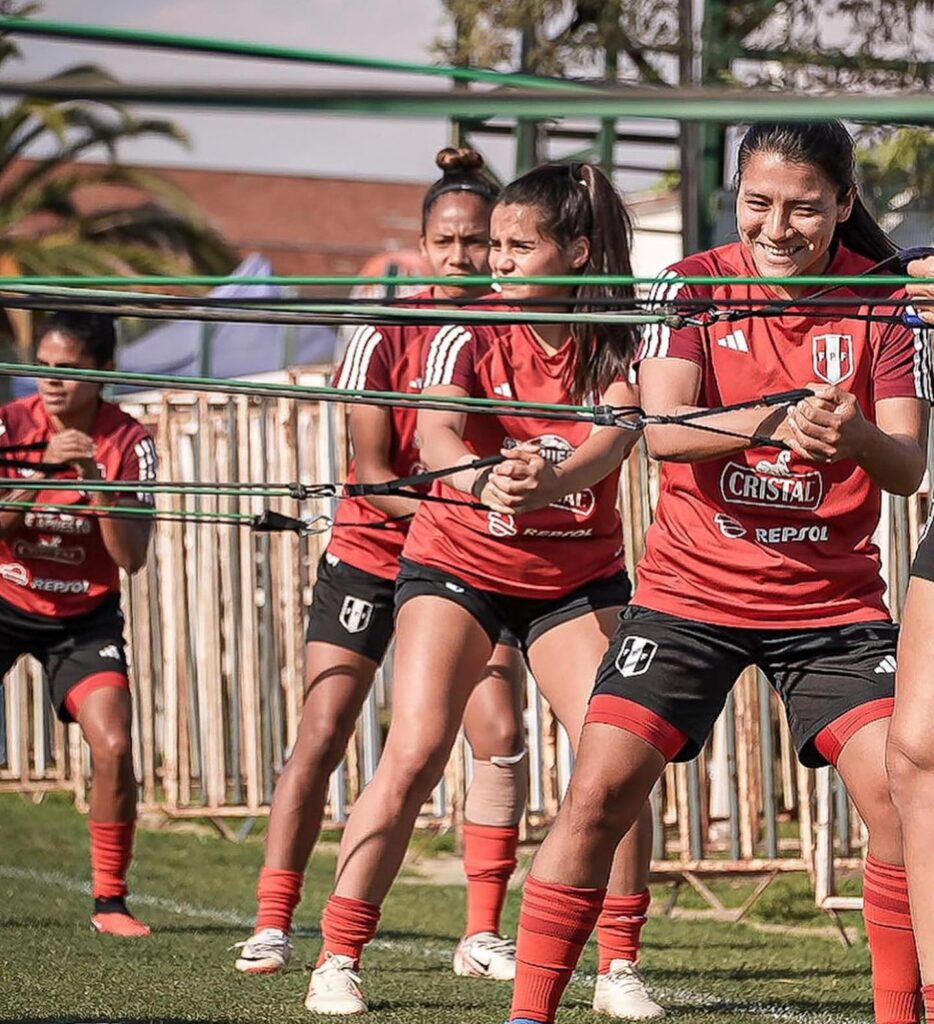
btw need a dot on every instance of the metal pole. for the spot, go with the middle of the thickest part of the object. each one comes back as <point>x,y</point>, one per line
<point>767,752</point>
<point>689,135</point>
<point>526,130</point>
<point>606,140</point>
<point>710,136</point>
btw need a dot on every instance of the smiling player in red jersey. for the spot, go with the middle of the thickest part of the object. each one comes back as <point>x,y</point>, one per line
<point>60,587</point>
<point>351,621</point>
<point>910,762</point>
<point>758,554</point>
<point>545,559</point>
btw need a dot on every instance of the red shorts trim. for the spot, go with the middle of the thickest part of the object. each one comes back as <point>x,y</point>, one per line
<point>648,725</point>
<point>79,692</point>
<point>831,740</point>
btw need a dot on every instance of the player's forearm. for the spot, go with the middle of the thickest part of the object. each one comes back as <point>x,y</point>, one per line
<point>12,519</point>
<point>676,443</point>
<point>595,459</point>
<point>894,462</point>
<point>443,446</point>
<point>126,541</point>
<point>373,473</point>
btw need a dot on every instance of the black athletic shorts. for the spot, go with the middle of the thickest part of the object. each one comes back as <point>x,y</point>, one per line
<point>683,670</point>
<point>526,618</point>
<point>923,564</point>
<point>70,649</point>
<point>355,610</point>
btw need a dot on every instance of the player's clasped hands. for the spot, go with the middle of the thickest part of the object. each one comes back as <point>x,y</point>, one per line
<point>922,292</point>
<point>827,427</point>
<point>76,448</point>
<point>526,481</point>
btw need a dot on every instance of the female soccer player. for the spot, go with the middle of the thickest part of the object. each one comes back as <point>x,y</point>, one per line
<point>910,762</point>
<point>60,587</point>
<point>351,622</point>
<point>545,559</point>
<point>759,554</point>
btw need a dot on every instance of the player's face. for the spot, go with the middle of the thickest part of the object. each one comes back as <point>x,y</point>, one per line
<point>456,242</point>
<point>786,214</point>
<point>66,399</point>
<point>519,249</point>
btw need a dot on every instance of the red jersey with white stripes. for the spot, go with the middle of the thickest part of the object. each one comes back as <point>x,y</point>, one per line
<point>56,564</point>
<point>543,554</point>
<point>762,537</point>
<point>380,359</point>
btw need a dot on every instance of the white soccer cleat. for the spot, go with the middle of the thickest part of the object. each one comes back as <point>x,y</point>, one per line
<point>335,988</point>
<point>486,955</point>
<point>265,952</point>
<point>621,993</point>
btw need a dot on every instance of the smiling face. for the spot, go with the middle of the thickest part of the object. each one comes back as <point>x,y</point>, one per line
<point>67,400</point>
<point>456,242</point>
<point>519,249</point>
<point>787,213</point>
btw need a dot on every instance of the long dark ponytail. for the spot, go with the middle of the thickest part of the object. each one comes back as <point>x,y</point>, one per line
<point>829,146</point>
<point>577,200</point>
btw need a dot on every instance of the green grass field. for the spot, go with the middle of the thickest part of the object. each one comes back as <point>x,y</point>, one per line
<point>196,889</point>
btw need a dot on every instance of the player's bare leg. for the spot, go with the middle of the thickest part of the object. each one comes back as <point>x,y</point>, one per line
<point>431,685</point>
<point>337,682</point>
<point>896,979</point>
<point>104,718</point>
<point>582,642</point>
<point>910,761</point>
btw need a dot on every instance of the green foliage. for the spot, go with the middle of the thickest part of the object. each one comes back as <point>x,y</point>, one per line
<point>45,228</point>
<point>896,167</point>
<point>784,44</point>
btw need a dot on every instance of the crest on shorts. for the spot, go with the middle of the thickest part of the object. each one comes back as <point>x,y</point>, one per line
<point>833,357</point>
<point>355,614</point>
<point>635,655</point>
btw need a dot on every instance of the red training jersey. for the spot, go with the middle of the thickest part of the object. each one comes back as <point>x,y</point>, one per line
<point>380,359</point>
<point>763,538</point>
<point>56,564</point>
<point>543,554</point>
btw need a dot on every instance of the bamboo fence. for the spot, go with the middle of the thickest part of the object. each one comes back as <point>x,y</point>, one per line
<point>215,627</point>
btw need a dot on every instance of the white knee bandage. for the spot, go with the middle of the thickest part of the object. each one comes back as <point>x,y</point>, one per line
<point>497,793</point>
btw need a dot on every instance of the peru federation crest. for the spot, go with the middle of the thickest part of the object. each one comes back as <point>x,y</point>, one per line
<point>833,357</point>
<point>355,614</point>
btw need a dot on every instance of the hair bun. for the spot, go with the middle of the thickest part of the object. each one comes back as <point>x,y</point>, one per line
<point>459,161</point>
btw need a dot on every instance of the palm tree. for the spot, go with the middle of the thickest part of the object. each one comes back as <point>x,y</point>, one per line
<point>51,223</point>
<point>45,228</point>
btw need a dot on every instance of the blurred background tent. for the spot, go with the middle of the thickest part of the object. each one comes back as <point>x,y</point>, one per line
<point>217,349</point>
<point>187,348</point>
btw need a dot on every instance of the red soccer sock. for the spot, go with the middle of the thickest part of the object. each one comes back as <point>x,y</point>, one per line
<point>896,978</point>
<point>489,861</point>
<point>927,993</point>
<point>554,925</point>
<point>278,893</point>
<point>111,853</point>
<point>347,925</point>
<point>619,927</point>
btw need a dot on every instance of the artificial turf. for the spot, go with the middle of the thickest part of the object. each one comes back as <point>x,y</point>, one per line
<point>196,890</point>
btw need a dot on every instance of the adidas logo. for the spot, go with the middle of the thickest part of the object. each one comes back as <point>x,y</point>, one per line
<point>454,588</point>
<point>110,651</point>
<point>503,390</point>
<point>736,341</point>
<point>887,666</point>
